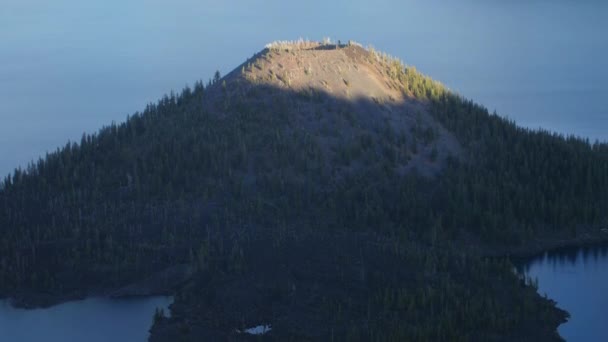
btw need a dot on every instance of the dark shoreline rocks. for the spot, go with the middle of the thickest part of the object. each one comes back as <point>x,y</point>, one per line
<point>589,237</point>
<point>170,280</point>
<point>163,283</point>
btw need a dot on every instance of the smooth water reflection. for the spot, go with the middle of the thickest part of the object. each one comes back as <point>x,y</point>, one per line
<point>91,320</point>
<point>578,280</point>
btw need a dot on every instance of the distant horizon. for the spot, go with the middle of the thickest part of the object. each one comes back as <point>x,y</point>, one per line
<point>62,76</point>
<point>382,170</point>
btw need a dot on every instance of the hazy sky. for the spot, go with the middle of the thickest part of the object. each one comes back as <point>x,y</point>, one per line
<point>71,66</point>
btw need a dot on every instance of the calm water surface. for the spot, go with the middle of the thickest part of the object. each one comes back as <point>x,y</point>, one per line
<point>70,66</point>
<point>91,320</point>
<point>578,280</point>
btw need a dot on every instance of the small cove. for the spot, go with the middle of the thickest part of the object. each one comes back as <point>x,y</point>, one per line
<point>93,319</point>
<point>577,279</point>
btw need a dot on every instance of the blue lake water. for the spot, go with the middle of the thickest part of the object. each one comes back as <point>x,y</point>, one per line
<point>69,66</point>
<point>91,320</point>
<point>577,279</point>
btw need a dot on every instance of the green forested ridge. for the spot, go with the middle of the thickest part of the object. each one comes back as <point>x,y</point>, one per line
<point>315,287</point>
<point>214,176</point>
<point>521,182</point>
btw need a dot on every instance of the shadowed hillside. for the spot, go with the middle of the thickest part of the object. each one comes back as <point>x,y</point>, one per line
<point>340,96</point>
<point>326,190</point>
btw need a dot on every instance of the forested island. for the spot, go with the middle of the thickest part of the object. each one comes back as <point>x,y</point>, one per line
<point>325,190</point>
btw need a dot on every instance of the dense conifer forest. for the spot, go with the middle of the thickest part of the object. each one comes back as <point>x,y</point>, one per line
<point>316,229</point>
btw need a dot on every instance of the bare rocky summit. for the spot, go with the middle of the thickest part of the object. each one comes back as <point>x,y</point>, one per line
<point>317,192</point>
<point>347,98</point>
